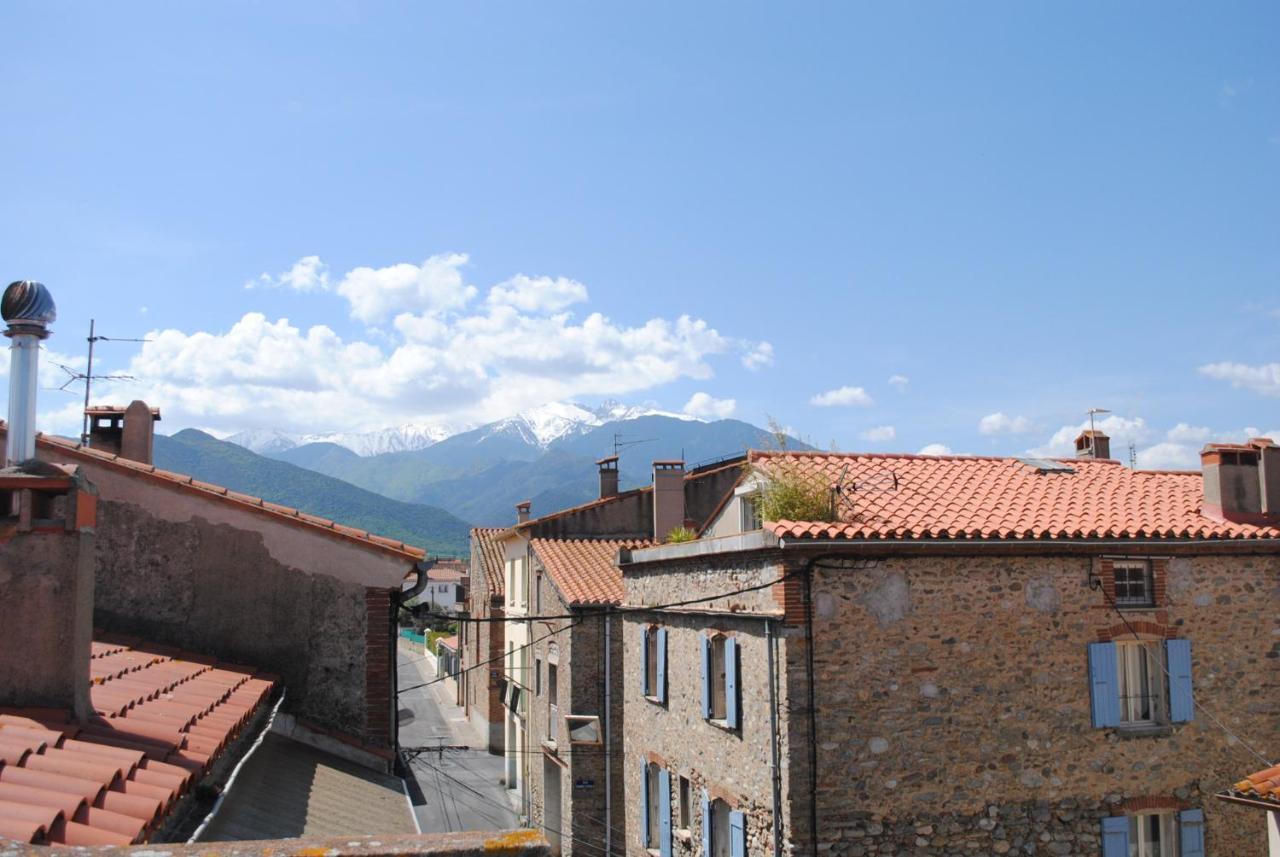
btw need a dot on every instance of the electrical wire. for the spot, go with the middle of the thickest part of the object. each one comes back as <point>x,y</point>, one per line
<point>490,660</point>
<point>1097,584</point>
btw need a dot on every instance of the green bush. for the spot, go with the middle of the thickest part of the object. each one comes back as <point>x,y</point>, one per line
<point>788,493</point>
<point>681,534</point>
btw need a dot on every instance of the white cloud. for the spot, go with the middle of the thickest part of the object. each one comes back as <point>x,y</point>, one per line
<point>899,381</point>
<point>880,434</point>
<point>935,449</point>
<point>1169,456</point>
<point>1186,433</point>
<point>308,274</point>
<point>1264,379</point>
<point>537,294</point>
<point>758,355</point>
<point>1001,423</point>
<point>435,286</point>
<point>704,406</point>
<point>1120,429</point>
<point>842,396</point>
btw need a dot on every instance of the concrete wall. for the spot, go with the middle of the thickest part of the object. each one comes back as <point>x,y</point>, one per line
<point>181,569</point>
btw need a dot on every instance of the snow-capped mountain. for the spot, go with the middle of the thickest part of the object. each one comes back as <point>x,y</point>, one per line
<point>405,438</point>
<point>546,424</point>
<point>540,427</point>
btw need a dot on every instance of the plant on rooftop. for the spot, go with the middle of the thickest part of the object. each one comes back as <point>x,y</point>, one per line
<point>681,534</point>
<point>789,492</point>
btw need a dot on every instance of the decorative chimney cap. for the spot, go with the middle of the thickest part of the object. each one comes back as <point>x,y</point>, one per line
<point>29,302</point>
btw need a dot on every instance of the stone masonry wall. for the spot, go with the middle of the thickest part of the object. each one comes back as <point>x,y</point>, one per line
<point>953,705</point>
<point>215,589</point>
<point>735,766</point>
<point>579,656</point>
<point>484,642</point>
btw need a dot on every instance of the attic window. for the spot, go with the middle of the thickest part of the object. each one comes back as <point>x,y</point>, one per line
<point>1047,465</point>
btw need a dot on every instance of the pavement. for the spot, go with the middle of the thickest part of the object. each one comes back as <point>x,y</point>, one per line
<point>459,780</point>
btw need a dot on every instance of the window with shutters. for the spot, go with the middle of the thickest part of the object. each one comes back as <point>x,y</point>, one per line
<point>719,707</point>
<point>653,668</point>
<point>651,663</point>
<point>652,815</point>
<point>721,665</point>
<point>1153,835</point>
<point>720,840</point>
<point>1140,674</point>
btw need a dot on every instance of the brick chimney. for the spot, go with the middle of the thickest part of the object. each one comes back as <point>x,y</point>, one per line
<point>608,476</point>
<point>1093,444</point>
<point>126,432</point>
<point>522,511</point>
<point>668,497</point>
<point>1242,481</point>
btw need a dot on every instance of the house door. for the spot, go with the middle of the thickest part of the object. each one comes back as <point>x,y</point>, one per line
<point>551,816</point>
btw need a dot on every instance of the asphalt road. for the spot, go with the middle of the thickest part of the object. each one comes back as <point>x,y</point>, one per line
<point>458,779</point>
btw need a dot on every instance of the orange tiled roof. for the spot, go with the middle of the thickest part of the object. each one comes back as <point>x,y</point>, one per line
<point>487,550</point>
<point>161,717</point>
<point>973,497</point>
<point>226,495</point>
<point>585,570</point>
<point>1264,785</point>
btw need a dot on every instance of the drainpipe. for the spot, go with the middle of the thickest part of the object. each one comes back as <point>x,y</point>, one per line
<point>608,737</point>
<point>775,774</point>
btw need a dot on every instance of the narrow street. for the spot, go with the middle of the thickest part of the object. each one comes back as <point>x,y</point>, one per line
<point>459,780</point>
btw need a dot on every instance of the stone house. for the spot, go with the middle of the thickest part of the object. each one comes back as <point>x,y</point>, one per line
<point>564,565</point>
<point>482,638</point>
<point>967,655</point>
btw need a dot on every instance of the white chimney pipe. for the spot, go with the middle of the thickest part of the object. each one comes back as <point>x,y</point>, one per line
<point>28,308</point>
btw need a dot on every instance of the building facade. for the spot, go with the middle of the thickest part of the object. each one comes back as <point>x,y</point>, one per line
<point>483,639</point>
<point>973,655</point>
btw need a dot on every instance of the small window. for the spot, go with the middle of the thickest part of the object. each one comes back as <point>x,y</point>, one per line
<point>653,815</point>
<point>686,804</point>
<point>1133,584</point>
<point>553,709</point>
<point>719,708</point>
<point>721,842</point>
<point>1139,666</point>
<point>750,514</point>
<point>537,676</point>
<point>651,662</point>
<point>1153,835</point>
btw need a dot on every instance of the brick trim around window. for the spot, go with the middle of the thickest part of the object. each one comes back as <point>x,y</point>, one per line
<point>1159,581</point>
<point>1159,629</point>
<point>1151,803</point>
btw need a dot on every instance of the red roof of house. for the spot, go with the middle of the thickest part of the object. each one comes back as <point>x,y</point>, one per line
<point>486,549</point>
<point>889,496</point>
<point>585,570</point>
<point>1264,785</point>
<point>161,718</point>
<point>447,571</point>
<point>225,495</point>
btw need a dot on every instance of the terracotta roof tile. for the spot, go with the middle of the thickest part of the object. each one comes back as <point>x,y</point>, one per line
<point>161,719</point>
<point>585,570</point>
<point>1264,786</point>
<point>486,549</point>
<point>972,497</point>
<point>207,489</point>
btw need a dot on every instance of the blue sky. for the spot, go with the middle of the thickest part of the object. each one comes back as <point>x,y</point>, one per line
<point>1020,210</point>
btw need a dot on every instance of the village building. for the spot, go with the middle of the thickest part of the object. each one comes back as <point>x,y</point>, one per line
<point>957,655</point>
<point>561,695</point>
<point>481,635</point>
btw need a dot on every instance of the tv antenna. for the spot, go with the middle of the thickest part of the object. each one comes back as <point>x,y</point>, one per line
<point>1133,455</point>
<point>1093,411</point>
<point>88,377</point>
<point>620,443</point>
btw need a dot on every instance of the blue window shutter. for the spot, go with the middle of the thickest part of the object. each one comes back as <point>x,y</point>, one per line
<point>664,812</point>
<point>1115,836</point>
<point>1104,685</point>
<point>644,662</point>
<point>1191,830</point>
<point>661,690</point>
<point>1182,707</point>
<point>706,824</point>
<point>731,712</point>
<point>644,805</point>
<point>737,834</point>
<point>706,678</point>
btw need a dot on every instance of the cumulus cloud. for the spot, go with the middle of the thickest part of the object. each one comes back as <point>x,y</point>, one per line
<point>703,405</point>
<point>842,396</point>
<point>537,294</point>
<point>1264,379</point>
<point>1186,433</point>
<point>899,382</point>
<point>880,434</point>
<point>758,355</point>
<point>443,358</point>
<point>308,274</point>
<point>1169,456</point>
<point>935,449</point>
<point>1001,423</point>
<point>435,286</point>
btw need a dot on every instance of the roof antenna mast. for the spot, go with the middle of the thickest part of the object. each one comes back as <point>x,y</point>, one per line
<point>88,377</point>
